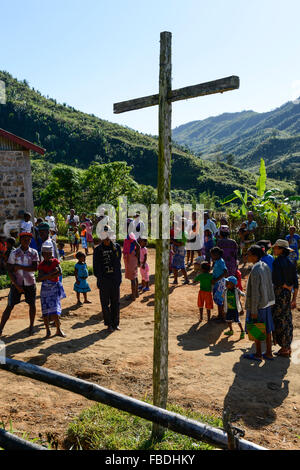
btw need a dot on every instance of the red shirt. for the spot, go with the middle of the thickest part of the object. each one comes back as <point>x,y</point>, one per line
<point>49,268</point>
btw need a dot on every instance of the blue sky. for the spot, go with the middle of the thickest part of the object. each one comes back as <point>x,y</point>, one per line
<point>92,53</point>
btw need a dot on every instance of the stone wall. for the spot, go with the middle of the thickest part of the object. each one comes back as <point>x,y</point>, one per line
<point>15,186</point>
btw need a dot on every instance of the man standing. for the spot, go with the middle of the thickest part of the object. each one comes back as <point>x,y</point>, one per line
<point>209,224</point>
<point>72,218</point>
<point>44,235</point>
<point>22,264</point>
<point>107,269</point>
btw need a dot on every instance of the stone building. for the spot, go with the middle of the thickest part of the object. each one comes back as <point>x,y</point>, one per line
<point>15,179</point>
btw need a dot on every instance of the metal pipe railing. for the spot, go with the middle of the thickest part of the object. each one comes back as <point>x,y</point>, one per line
<point>175,422</point>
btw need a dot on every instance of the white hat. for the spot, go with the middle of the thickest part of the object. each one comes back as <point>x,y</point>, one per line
<point>47,247</point>
<point>282,244</point>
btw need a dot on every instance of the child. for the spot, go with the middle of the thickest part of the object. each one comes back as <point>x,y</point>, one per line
<point>209,243</point>
<point>131,256</point>
<point>83,239</point>
<point>219,274</point>
<point>81,273</point>
<point>71,238</point>
<point>51,291</point>
<point>26,224</point>
<point>266,245</point>
<point>10,246</point>
<point>61,250</point>
<point>232,305</point>
<point>53,235</point>
<point>205,298</point>
<point>144,267</point>
<point>76,239</point>
<point>197,263</point>
<point>179,255</point>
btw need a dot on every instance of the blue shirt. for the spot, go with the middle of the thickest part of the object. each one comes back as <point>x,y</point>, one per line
<point>294,245</point>
<point>269,260</point>
<point>219,268</point>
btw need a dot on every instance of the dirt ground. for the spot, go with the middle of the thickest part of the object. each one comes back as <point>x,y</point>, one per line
<point>206,368</point>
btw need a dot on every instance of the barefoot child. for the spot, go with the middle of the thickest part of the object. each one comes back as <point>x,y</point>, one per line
<point>76,239</point>
<point>219,274</point>
<point>178,263</point>
<point>205,298</point>
<point>51,291</point>
<point>232,305</point>
<point>61,250</point>
<point>81,273</point>
<point>144,268</point>
<point>131,254</point>
<point>83,239</point>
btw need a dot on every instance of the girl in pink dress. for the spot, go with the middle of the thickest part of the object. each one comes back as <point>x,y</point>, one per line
<point>131,261</point>
<point>144,267</point>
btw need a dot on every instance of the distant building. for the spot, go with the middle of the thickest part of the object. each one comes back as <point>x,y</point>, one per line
<point>15,179</point>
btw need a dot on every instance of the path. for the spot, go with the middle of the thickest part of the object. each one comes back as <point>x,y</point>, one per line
<point>205,367</point>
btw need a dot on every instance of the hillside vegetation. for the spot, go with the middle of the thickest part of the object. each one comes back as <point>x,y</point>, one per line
<point>246,137</point>
<point>79,140</point>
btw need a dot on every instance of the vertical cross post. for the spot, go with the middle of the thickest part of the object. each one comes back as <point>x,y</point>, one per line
<point>160,353</point>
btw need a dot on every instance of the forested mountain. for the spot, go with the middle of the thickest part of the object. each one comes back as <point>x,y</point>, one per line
<point>244,138</point>
<point>79,139</point>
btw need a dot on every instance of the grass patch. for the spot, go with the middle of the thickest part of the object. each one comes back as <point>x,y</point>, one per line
<point>68,268</point>
<point>24,435</point>
<point>104,428</point>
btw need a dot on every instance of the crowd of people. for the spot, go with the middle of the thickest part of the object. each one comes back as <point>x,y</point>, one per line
<point>270,296</point>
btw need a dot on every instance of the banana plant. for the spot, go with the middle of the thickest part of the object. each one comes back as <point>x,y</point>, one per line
<point>270,205</point>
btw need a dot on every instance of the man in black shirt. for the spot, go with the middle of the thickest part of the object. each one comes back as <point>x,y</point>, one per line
<point>107,269</point>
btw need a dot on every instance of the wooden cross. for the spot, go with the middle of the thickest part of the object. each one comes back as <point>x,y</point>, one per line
<point>164,100</point>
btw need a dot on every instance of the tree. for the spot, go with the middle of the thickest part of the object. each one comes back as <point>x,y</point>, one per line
<point>65,189</point>
<point>105,183</point>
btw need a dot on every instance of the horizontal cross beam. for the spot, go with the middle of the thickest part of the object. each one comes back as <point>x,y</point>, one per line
<point>208,88</point>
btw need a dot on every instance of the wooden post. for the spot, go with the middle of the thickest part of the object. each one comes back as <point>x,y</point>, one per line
<point>160,353</point>
<point>164,99</point>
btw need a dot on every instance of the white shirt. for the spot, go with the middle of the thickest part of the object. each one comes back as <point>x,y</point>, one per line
<point>51,221</point>
<point>26,226</point>
<point>210,225</point>
<point>75,218</point>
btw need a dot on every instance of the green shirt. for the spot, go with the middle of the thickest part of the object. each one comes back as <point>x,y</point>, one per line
<point>231,300</point>
<point>205,280</point>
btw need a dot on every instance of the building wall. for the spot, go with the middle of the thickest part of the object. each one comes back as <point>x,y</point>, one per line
<point>15,186</point>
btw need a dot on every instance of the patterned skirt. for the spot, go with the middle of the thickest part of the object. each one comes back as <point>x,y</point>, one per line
<point>282,317</point>
<point>51,295</point>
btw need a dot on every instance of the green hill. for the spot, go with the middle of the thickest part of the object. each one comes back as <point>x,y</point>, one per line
<point>78,139</point>
<point>249,136</point>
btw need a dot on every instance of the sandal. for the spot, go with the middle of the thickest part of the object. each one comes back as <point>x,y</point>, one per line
<point>228,333</point>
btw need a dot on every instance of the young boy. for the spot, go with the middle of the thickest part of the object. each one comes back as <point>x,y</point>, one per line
<point>61,250</point>
<point>232,305</point>
<point>144,267</point>
<point>205,298</point>
<point>22,264</point>
<point>26,224</point>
